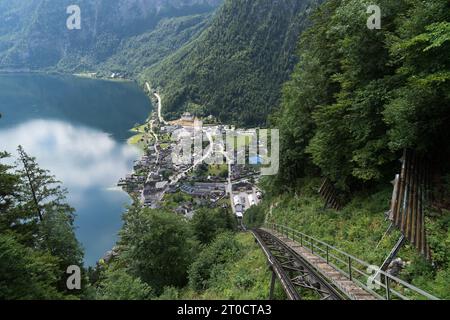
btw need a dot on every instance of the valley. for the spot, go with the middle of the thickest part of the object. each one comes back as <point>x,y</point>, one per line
<point>356,115</point>
<point>164,171</point>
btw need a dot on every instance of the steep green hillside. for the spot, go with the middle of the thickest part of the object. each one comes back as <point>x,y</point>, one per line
<point>359,97</point>
<point>236,67</point>
<point>35,36</point>
<point>244,277</point>
<point>355,101</point>
<point>139,52</point>
<point>162,255</point>
<point>232,64</point>
<point>359,229</point>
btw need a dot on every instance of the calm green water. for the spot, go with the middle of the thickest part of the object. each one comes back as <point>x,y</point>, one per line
<point>77,128</point>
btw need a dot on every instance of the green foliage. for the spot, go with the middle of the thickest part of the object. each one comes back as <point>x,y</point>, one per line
<point>139,52</point>
<point>433,277</point>
<point>235,68</point>
<point>158,246</point>
<point>196,109</point>
<point>418,113</point>
<point>254,217</point>
<point>242,275</point>
<point>361,225</point>
<point>37,233</point>
<point>59,234</point>
<point>116,36</point>
<point>118,284</point>
<point>44,203</point>
<point>359,96</point>
<point>26,273</point>
<point>211,261</point>
<point>8,193</point>
<point>209,223</point>
<point>170,293</point>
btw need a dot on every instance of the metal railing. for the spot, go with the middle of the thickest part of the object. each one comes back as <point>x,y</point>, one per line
<point>371,278</point>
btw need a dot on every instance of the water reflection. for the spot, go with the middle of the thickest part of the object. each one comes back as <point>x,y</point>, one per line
<point>89,162</point>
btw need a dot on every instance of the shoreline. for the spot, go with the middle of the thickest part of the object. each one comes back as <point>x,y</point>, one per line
<point>81,75</point>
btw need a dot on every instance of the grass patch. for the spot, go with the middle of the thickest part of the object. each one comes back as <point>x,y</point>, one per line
<point>218,170</point>
<point>245,278</point>
<point>134,140</point>
<point>164,146</point>
<point>141,129</point>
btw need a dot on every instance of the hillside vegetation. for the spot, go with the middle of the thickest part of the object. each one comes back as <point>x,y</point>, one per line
<point>358,97</point>
<point>162,255</point>
<point>359,229</point>
<point>236,67</point>
<point>355,101</point>
<point>34,35</point>
<point>137,53</point>
<point>229,62</point>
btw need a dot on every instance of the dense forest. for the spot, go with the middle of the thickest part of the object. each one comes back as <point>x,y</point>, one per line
<point>359,96</point>
<point>34,35</point>
<point>235,68</point>
<point>37,239</point>
<point>138,53</point>
<point>160,255</point>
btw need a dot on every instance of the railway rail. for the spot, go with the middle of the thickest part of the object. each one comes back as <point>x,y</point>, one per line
<point>293,272</point>
<point>306,266</point>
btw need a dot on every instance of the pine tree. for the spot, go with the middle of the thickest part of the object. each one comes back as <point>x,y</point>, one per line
<point>44,206</point>
<point>40,191</point>
<point>8,194</point>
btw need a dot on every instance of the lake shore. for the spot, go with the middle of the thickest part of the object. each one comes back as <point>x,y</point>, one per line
<point>83,75</point>
<point>74,140</point>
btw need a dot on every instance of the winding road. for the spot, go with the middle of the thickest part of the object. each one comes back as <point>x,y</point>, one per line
<point>158,97</point>
<point>156,140</point>
<point>175,179</point>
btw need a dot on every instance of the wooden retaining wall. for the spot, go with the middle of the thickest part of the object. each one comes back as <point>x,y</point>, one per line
<point>411,193</point>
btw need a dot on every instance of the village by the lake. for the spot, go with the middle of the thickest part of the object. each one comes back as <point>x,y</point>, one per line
<point>216,176</point>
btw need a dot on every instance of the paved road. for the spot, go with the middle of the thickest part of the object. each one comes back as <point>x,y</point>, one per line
<point>156,140</point>
<point>158,97</point>
<point>152,122</point>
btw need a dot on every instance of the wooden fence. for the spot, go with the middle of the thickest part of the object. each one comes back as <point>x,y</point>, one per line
<point>329,194</point>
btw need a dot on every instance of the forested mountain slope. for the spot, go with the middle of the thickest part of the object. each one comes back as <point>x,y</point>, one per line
<point>142,51</point>
<point>358,97</point>
<point>356,100</point>
<point>235,69</point>
<point>230,64</point>
<point>34,34</point>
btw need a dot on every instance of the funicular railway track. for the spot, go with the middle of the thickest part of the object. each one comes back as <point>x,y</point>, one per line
<point>305,265</point>
<point>292,271</point>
